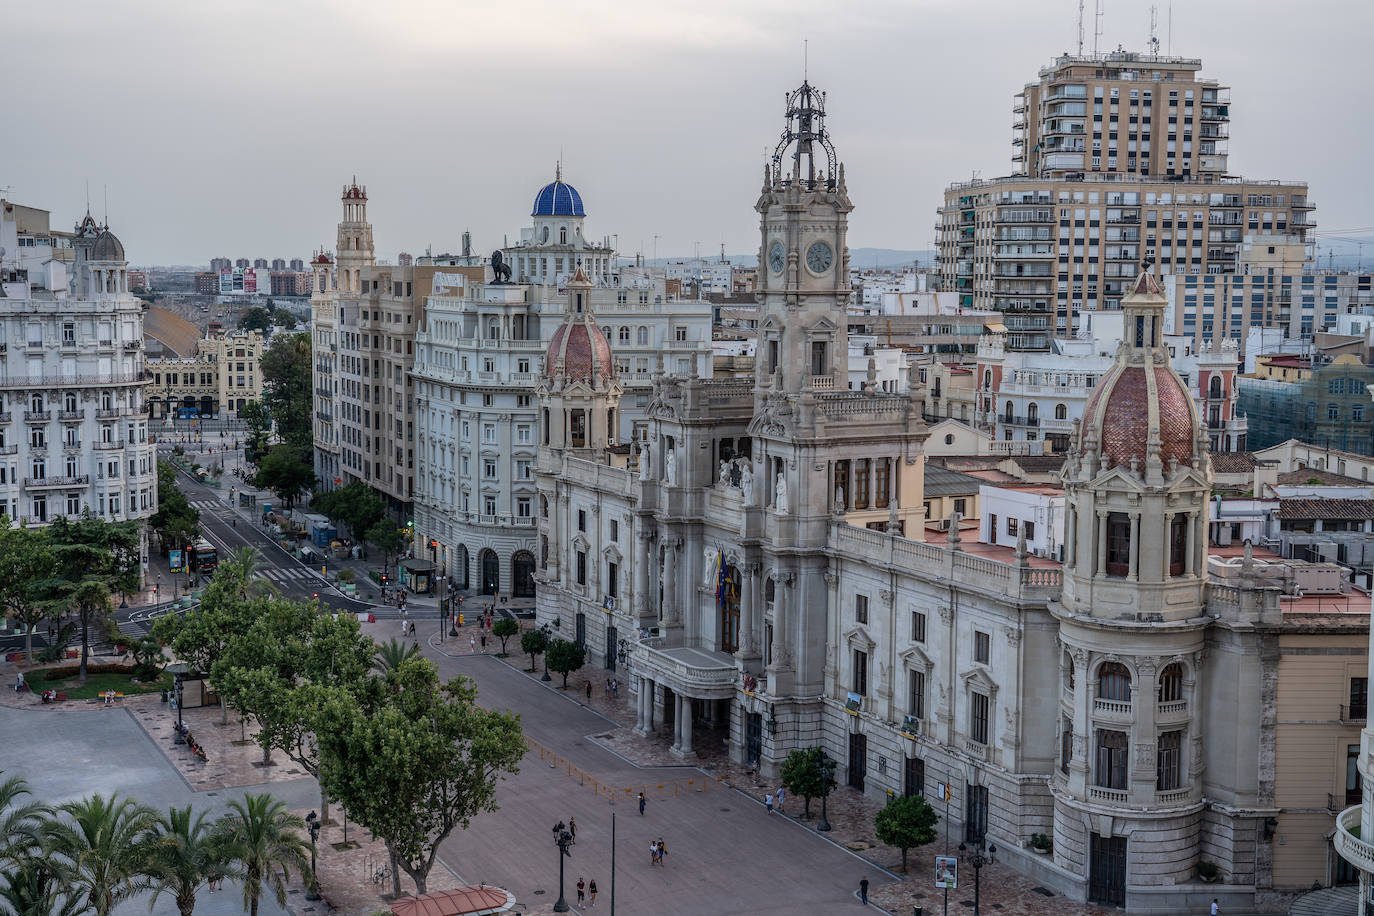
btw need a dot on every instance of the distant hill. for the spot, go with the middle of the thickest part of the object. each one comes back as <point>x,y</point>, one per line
<point>860,258</point>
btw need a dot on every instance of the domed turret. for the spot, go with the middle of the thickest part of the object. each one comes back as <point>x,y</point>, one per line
<point>558,198</point>
<point>579,351</point>
<point>107,247</point>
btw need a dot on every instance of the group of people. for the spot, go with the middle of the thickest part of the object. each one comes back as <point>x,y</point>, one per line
<point>658,852</point>
<point>583,889</point>
<point>780,796</point>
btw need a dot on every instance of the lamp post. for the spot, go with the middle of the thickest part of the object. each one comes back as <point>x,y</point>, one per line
<point>181,694</point>
<point>978,861</point>
<point>826,767</point>
<point>312,822</point>
<point>562,839</point>
<point>548,637</point>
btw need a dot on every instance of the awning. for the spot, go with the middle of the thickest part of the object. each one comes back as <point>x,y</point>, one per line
<point>418,566</point>
<point>475,900</point>
<point>997,328</point>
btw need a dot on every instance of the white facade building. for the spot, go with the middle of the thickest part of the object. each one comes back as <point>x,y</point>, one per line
<point>714,275</point>
<point>73,418</point>
<point>1033,512</point>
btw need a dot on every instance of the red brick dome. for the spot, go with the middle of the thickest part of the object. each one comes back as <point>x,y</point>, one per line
<point>1132,400</point>
<point>579,352</point>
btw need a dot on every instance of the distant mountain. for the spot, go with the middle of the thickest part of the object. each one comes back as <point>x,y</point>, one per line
<point>859,258</point>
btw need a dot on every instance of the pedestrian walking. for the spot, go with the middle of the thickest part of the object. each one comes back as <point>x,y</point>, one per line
<point>572,829</point>
<point>641,804</point>
<point>19,682</point>
<point>863,890</point>
<point>768,802</point>
<point>581,891</point>
<point>606,688</point>
<point>484,644</point>
<point>615,688</point>
<point>662,852</point>
<point>781,796</point>
<point>472,644</point>
<point>588,685</point>
<point>591,893</point>
<point>1216,907</point>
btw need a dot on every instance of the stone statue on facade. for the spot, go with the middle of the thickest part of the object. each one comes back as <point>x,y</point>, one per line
<point>499,268</point>
<point>780,495</point>
<point>644,462</point>
<point>670,468</point>
<point>746,483</point>
<point>724,472</point>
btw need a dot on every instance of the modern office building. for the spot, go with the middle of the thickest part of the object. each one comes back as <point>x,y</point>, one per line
<point>73,422</point>
<point>1123,164</point>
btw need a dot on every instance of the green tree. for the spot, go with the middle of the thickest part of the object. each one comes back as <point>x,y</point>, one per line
<point>258,425</point>
<point>802,775</point>
<point>36,885</point>
<point>202,636</point>
<point>386,537</point>
<point>175,521</point>
<point>103,844</point>
<point>417,760</point>
<point>256,318</point>
<point>182,854</point>
<point>93,559</point>
<point>21,821</point>
<point>503,630</point>
<point>357,505</point>
<point>286,389</point>
<point>391,655</point>
<point>26,560</point>
<point>285,473</point>
<point>259,837</point>
<point>565,657</point>
<point>907,821</point>
<point>532,643</point>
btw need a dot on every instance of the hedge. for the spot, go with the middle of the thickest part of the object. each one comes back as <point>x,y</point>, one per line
<point>66,672</point>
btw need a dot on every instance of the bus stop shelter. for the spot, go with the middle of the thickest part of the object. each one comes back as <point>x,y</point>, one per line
<point>417,576</point>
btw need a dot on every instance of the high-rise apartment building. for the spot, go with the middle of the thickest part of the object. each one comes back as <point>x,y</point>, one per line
<point>1123,161</point>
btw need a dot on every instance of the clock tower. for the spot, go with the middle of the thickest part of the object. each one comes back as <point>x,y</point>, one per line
<point>804,264</point>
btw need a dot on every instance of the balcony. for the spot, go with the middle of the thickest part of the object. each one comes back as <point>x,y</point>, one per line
<point>1173,797</point>
<point>11,449</point>
<point>108,446</point>
<point>1347,840</point>
<point>1110,796</point>
<point>37,416</point>
<point>70,415</point>
<point>1112,707</point>
<point>1022,421</point>
<point>1355,713</point>
<point>107,413</point>
<point>976,749</point>
<point>692,672</point>
<point>38,483</point>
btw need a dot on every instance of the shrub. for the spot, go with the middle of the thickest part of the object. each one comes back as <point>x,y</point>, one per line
<point>347,575</point>
<point>67,672</point>
<point>1040,841</point>
<point>1207,869</point>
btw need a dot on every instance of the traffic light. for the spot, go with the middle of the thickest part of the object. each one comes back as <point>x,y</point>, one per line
<point>433,544</point>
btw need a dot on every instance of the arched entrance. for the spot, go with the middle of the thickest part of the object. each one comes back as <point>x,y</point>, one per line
<point>464,570</point>
<point>522,574</point>
<point>491,571</point>
<point>188,402</point>
<point>207,406</point>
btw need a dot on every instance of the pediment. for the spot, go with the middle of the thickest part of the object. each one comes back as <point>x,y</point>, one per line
<point>1120,477</point>
<point>914,657</point>
<point>858,637</point>
<point>822,324</point>
<point>978,679</point>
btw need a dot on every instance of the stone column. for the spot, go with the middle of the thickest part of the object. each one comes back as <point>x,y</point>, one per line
<point>1073,537</point>
<point>672,610</point>
<point>782,652</point>
<point>643,557</point>
<point>1133,554</point>
<point>748,611</point>
<point>677,721</point>
<point>685,726</point>
<point>1082,700</point>
<point>1168,545</point>
<point>1192,545</point>
<point>1100,547</point>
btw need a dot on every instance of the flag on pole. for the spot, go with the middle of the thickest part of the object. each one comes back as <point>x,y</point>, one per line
<point>720,578</point>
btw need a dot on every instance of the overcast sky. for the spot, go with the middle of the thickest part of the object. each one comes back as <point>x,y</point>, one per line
<point>229,129</point>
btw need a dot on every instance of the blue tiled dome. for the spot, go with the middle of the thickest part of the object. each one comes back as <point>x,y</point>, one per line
<point>558,199</point>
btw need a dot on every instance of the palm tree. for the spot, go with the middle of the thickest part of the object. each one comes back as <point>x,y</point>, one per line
<point>390,655</point>
<point>92,596</point>
<point>20,823</point>
<point>102,844</point>
<point>260,839</point>
<point>243,567</point>
<point>183,853</point>
<point>36,886</point>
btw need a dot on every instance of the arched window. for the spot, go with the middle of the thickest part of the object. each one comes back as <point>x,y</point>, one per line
<point>1114,682</point>
<point>1068,672</point>
<point>36,403</point>
<point>1214,387</point>
<point>1112,747</point>
<point>562,235</point>
<point>1118,544</point>
<point>1061,412</point>
<point>987,378</point>
<point>1011,412</point>
<point>1171,683</point>
<point>642,336</point>
<point>624,335</point>
<point>1033,413</point>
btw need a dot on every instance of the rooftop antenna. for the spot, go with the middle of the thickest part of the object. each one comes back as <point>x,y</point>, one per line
<point>106,189</point>
<point>1154,30</point>
<point>1080,28</point>
<point>1171,28</point>
<point>1097,24</point>
<point>806,58</point>
<point>88,197</point>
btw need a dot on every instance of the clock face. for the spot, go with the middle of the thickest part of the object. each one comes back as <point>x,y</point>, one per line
<point>819,257</point>
<point>776,258</point>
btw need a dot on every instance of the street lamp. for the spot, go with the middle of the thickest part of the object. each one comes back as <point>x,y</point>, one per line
<point>548,637</point>
<point>978,861</point>
<point>312,823</point>
<point>827,766</point>
<point>562,839</point>
<point>181,695</point>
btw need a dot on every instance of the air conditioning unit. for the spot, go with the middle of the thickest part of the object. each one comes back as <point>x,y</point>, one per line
<point>944,524</point>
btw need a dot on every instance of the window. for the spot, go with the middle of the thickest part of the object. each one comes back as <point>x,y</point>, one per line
<point>489,505</point>
<point>860,673</point>
<point>1352,774</point>
<point>1061,412</point>
<point>1065,743</point>
<point>522,507</point>
<point>581,519</point>
<point>73,504</point>
<point>522,470</point>
<point>680,334</point>
<point>488,432</point>
<point>581,568</point>
<point>1013,525</point>
<point>914,777</point>
<point>612,577</point>
<point>1168,762</point>
<point>615,531</point>
<point>1171,683</point>
<point>522,435</point>
<point>1359,697</point>
<point>40,507</point>
<point>1114,682</point>
<point>818,360</point>
<point>1118,544</point>
<point>918,626</point>
<point>489,468</point>
<point>978,718</point>
<point>916,694</point>
<point>69,402</point>
<point>982,647</point>
<point>1111,759</point>
<point>1030,531</point>
<point>861,609</point>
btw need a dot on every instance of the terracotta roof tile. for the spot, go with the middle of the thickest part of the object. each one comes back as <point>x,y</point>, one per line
<point>1301,509</point>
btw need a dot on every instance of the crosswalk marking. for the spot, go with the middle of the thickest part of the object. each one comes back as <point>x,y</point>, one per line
<point>287,575</point>
<point>207,504</point>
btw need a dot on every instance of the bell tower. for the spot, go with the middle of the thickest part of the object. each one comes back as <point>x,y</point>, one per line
<point>804,264</point>
<point>355,249</point>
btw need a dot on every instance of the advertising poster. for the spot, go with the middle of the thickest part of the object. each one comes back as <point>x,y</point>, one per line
<point>946,871</point>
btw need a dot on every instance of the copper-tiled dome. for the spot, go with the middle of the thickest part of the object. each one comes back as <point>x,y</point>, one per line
<point>579,352</point>
<point>1128,402</point>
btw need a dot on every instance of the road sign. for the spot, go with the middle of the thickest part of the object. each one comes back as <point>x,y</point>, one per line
<point>946,871</point>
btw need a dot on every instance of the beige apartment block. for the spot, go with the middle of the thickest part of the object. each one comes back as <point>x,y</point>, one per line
<point>221,377</point>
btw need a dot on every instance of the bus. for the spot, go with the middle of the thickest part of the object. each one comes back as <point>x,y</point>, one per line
<point>201,557</point>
